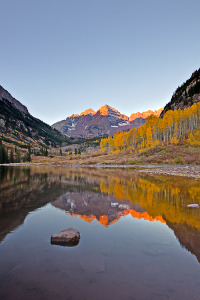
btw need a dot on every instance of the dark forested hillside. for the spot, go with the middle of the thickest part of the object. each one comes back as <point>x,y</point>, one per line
<point>17,125</point>
<point>185,95</point>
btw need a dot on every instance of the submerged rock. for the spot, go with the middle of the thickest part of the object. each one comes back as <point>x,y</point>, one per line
<point>67,237</point>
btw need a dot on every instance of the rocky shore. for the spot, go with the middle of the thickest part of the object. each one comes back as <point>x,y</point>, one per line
<point>180,170</point>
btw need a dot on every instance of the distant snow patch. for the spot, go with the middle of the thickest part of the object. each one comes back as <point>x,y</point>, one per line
<point>114,204</point>
<point>123,206</point>
<point>123,124</point>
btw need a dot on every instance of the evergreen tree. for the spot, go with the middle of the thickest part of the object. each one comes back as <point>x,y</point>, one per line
<point>46,152</point>
<point>75,151</point>
<point>60,151</point>
<point>17,157</point>
<point>27,157</point>
<point>6,160</point>
<point>29,148</point>
<point>1,154</point>
<point>11,156</point>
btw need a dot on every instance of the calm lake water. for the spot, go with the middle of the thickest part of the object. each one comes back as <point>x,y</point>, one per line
<point>139,240</point>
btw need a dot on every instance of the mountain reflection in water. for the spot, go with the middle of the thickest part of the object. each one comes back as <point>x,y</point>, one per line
<point>106,209</point>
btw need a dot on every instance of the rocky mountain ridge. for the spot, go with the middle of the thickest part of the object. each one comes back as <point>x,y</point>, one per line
<point>106,121</point>
<point>18,126</point>
<point>185,95</point>
<point>145,114</point>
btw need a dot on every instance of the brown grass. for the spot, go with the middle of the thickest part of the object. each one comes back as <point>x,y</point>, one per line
<point>176,154</point>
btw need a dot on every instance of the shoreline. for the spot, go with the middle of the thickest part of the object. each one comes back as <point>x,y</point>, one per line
<point>192,171</point>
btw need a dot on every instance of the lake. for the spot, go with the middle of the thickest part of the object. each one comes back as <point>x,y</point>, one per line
<point>139,240</point>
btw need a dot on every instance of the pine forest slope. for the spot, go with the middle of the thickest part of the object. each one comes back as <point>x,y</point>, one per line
<point>19,126</point>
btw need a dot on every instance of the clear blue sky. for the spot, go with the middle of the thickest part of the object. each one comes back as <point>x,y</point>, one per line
<point>60,57</point>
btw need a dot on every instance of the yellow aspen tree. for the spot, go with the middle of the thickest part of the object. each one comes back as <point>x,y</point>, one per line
<point>119,141</point>
<point>149,140</point>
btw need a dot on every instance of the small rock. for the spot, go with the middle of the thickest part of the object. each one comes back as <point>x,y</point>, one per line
<point>67,237</point>
<point>193,205</point>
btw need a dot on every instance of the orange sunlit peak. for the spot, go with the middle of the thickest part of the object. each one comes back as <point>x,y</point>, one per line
<point>87,219</point>
<point>144,215</point>
<point>103,220</point>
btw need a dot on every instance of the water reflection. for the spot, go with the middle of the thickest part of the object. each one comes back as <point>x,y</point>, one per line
<point>102,195</point>
<point>128,225</point>
<point>106,209</point>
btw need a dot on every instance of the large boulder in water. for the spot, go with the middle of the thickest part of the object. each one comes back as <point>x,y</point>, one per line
<point>67,237</point>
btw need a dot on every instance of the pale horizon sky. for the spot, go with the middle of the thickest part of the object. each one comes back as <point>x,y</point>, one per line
<point>63,57</point>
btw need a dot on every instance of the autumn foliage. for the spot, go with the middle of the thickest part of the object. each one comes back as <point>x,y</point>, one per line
<point>174,127</point>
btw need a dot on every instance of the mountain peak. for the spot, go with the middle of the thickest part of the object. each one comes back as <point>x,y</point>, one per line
<point>106,109</point>
<point>145,114</point>
<point>4,94</point>
<point>73,116</point>
<point>89,111</point>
